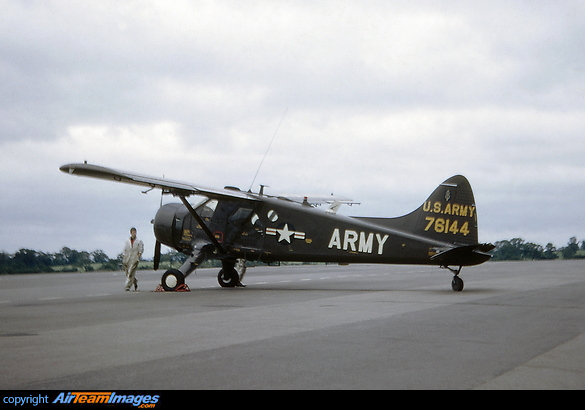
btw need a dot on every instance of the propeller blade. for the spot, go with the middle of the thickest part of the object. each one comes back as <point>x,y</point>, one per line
<point>156,255</point>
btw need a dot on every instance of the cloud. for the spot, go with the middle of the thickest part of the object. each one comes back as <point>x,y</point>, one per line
<point>383,100</point>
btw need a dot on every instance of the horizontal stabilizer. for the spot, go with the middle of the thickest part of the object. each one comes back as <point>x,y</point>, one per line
<point>464,255</point>
<point>316,200</point>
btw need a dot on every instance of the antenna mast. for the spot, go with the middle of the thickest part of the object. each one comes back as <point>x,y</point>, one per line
<point>268,149</point>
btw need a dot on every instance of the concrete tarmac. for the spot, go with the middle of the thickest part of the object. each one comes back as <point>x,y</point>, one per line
<point>516,325</point>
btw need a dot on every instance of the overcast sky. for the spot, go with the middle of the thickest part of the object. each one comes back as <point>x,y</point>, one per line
<point>382,101</point>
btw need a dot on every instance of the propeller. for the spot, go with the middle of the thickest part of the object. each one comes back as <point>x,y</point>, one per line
<point>157,243</point>
<point>156,255</point>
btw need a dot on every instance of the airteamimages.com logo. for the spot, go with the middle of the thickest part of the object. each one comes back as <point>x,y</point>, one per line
<point>77,398</point>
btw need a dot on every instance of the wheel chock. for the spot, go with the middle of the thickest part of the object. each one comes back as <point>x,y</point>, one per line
<point>180,288</point>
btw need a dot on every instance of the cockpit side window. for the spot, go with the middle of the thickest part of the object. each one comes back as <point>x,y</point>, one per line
<point>240,215</point>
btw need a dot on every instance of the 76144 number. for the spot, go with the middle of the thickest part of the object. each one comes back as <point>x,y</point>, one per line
<point>442,225</point>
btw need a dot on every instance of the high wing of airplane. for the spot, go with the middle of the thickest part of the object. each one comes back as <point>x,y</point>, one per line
<point>232,225</point>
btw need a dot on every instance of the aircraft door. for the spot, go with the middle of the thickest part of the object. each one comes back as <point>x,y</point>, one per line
<point>245,229</point>
<point>239,227</point>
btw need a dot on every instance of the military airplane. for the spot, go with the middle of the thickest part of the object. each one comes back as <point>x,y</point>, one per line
<point>231,224</point>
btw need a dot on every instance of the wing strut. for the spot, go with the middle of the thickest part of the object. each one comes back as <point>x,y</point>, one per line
<point>209,234</point>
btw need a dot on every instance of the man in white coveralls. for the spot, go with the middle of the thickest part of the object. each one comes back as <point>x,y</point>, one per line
<point>132,253</point>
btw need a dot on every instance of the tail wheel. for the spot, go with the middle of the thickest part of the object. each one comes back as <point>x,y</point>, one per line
<point>172,279</point>
<point>228,278</point>
<point>457,284</point>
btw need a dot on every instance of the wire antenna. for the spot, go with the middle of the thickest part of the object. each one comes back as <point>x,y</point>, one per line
<point>268,149</point>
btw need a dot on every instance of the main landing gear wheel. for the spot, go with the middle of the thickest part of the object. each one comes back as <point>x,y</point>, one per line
<point>457,284</point>
<point>228,278</point>
<point>172,279</point>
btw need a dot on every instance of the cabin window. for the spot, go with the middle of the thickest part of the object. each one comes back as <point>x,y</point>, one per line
<point>240,215</point>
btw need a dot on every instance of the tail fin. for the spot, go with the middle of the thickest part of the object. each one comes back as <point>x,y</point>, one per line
<point>448,215</point>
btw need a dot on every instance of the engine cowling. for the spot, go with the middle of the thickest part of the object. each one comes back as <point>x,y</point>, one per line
<point>175,227</point>
<point>168,225</point>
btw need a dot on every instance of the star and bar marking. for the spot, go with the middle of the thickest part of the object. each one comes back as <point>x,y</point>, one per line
<point>285,233</point>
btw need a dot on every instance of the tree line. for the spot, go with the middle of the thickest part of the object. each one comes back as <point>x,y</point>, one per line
<point>71,260</point>
<point>518,249</point>
<point>67,260</point>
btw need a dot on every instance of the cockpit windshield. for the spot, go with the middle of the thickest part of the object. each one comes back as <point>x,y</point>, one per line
<point>206,208</point>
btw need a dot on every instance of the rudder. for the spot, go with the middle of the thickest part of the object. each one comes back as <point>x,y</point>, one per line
<point>449,214</point>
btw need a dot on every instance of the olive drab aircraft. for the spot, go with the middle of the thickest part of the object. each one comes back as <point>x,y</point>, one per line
<point>231,225</point>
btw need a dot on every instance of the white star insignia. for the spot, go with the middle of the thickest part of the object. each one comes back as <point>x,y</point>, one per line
<point>285,234</point>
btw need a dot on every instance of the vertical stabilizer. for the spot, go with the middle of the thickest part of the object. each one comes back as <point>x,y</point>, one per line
<point>448,215</point>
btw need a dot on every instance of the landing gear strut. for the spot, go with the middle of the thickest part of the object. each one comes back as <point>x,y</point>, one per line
<point>228,277</point>
<point>457,282</point>
<point>173,279</point>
